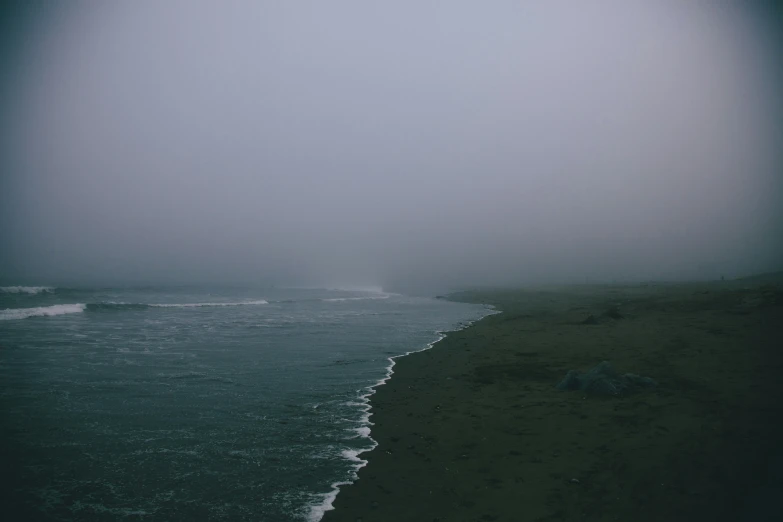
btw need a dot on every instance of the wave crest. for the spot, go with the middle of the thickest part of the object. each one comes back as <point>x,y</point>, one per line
<point>111,305</point>
<point>41,311</point>
<point>116,306</point>
<point>45,311</point>
<point>26,289</point>
<point>336,299</point>
<point>198,305</point>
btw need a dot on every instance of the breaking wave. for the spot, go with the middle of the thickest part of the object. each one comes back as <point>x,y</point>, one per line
<point>363,289</point>
<point>111,305</point>
<point>196,305</point>
<point>60,309</point>
<point>40,311</point>
<point>26,289</point>
<point>384,296</point>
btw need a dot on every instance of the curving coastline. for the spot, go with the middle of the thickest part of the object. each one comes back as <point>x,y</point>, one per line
<point>317,511</point>
<point>473,429</point>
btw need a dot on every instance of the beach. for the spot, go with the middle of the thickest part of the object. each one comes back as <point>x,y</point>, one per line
<point>475,428</point>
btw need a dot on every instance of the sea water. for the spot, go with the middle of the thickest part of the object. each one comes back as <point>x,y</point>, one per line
<point>192,403</point>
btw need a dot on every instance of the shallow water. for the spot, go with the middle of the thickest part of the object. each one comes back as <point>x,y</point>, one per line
<point>195,402</point>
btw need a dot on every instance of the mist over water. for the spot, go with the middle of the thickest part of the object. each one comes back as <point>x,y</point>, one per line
<point>421,146</point>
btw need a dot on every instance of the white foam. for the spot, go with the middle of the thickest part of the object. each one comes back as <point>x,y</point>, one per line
<point>364,289</point>
<point>384,296</point>
<point>362,431</point>
<point>352,455</point>
<point>41,311</point>
<point>25,289</point>
<point>317,511</point>
<point>196,305</point>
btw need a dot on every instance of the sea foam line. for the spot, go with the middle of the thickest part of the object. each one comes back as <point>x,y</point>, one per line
<point>26,289</point>
<point>40,311</point>
<point>46,311</point>
<point>196,305</point>
<point>317,511</point>
<point>332,299</point>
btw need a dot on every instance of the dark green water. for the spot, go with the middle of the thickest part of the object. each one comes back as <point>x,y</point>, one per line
<point>194,403</point>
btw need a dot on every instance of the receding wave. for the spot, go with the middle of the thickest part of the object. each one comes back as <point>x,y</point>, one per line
<point>40,311</point>
<point>26,289</point>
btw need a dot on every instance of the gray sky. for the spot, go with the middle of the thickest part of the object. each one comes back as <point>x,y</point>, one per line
<point>391,143</point>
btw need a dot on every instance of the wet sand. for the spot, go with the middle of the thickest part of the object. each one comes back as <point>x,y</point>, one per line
<point>474,428</point>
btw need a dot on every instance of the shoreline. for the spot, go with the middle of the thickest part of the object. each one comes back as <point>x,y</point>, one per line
<point>318,511</point>
<point>473,429</point>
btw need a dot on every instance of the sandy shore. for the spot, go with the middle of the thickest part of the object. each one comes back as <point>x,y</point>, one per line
<point>474,428</point>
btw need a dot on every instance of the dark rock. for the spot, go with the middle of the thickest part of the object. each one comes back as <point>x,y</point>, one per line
<point>612,313</point>
<point>604,380</point>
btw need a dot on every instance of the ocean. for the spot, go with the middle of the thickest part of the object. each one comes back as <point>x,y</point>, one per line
<point>193,403</point>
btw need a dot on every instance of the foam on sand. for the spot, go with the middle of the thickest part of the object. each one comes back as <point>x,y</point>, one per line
<point>318,510</point>
<point>41,311</point>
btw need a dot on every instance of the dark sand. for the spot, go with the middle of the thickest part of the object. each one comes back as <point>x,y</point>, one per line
<point>474,428</point>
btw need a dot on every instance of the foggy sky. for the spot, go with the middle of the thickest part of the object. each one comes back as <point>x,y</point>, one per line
<point>437,144</point>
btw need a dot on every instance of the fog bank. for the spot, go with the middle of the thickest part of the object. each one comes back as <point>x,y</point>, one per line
<point>408,144</point>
